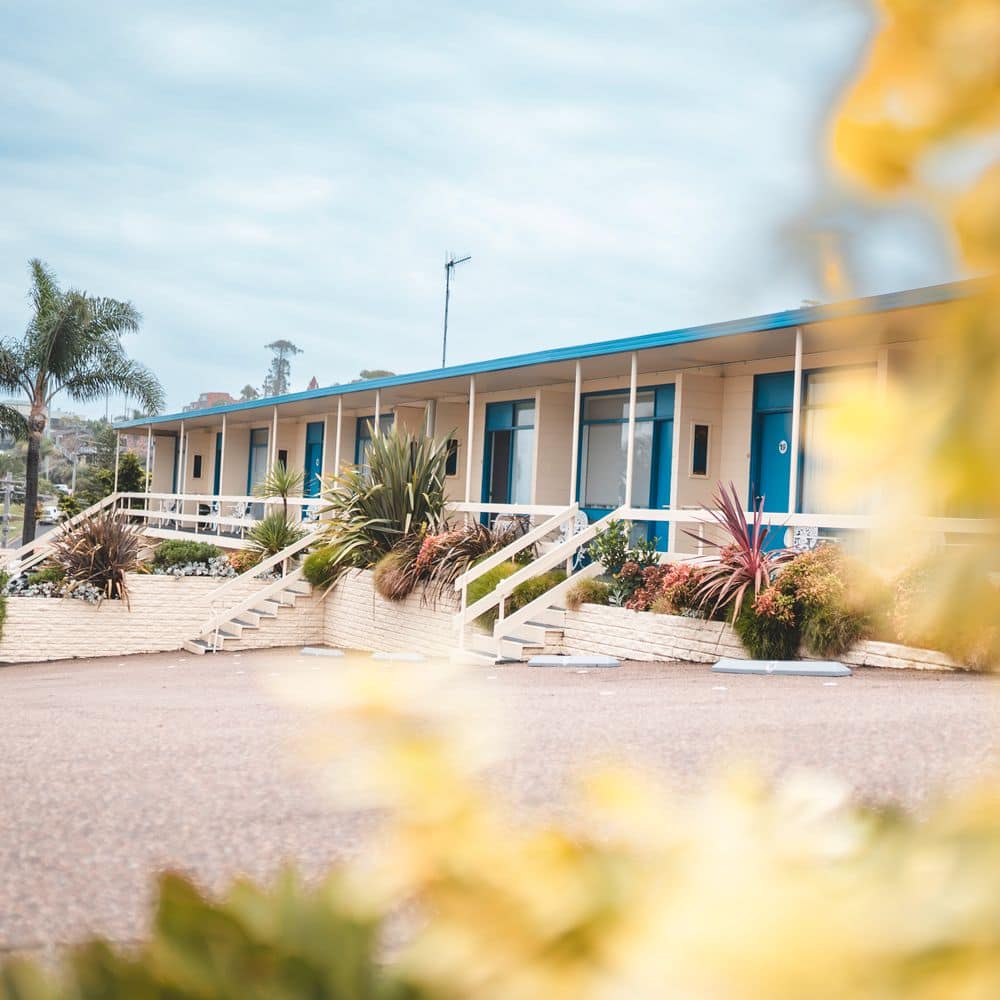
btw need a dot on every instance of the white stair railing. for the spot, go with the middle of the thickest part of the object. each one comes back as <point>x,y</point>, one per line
<point>221,594</point>
<point>510,624</point>
<point>555,556</point>
<point>39,548</point>
<point>519,544</point>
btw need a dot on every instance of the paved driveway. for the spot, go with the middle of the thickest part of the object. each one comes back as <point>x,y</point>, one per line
<point>113,769</point>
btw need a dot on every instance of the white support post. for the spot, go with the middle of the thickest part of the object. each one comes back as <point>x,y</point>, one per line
<point>378,411</point>
<point>430,415</point>
<point>274,440</point>
<point>183,462</point>
<point>118,445</point>
<point>575,435</point>
<point>322,451</point>
<point>633,389</point>
<point>468,440</point>
<point>793,445</point>
<point>340,424</point>
<point>149,458</point>
<point>222,474</point>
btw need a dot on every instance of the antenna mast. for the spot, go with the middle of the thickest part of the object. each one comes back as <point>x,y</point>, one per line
<point>449,266</point>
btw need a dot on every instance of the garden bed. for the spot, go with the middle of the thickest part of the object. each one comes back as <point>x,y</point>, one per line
<point>161,613</point>
<point>642,635</point>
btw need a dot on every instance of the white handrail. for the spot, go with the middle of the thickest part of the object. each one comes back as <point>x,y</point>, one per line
<point>544,601</point>
<point>265,565</point>
<point>222,617</point>
<point>518,544</point>
<point>556,555</point>
<point>40,543</point>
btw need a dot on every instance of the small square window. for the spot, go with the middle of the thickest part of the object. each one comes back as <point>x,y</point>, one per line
<point>283,458</point>
<point>451,465</point>
<point>699,449</point>
<point>196,471</point>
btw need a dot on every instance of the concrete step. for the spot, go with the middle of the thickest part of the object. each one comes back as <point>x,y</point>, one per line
<point>539,632</point>
<point>247,620</point>
<point>266,609</point>
<point>197,646</point>
<point>513,649</point>
<point>552,617</point>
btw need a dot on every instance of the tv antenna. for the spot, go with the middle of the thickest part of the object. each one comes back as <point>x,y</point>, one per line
<point>449,266</point>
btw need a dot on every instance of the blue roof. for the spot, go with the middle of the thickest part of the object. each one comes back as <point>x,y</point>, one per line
<point>686,335</point>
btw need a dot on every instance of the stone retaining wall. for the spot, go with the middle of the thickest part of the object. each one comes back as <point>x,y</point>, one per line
<point>642,635</point>
<point>356,617</point>
<point>162,612</point>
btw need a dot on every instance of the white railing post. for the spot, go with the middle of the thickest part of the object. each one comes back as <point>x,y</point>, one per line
<point>468,442</point>
<point>793,470</point>
<point>633,387</point>
<point>340,422</point>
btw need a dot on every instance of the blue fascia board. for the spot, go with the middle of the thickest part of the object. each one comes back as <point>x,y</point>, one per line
<point>784,320</point>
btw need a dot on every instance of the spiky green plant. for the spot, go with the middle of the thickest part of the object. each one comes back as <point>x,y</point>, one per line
<point>400,491</point>
<point>280,482</point>
<point>272,534</point>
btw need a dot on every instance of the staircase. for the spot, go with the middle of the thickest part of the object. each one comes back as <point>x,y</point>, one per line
<point>229,621</point>
<point>231,626</point>
<point>537,627</point>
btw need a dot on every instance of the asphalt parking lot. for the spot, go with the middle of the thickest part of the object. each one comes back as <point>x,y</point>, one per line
<point>114,769</point>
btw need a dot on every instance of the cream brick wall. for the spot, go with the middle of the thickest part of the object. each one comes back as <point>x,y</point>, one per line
<point>164,612</point>
<point>356,617</point>
<point>642,635</point>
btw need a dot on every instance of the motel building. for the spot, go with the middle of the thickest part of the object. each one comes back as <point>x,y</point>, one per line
<point>645,425</point>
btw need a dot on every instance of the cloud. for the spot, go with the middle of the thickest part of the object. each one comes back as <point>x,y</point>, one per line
<point>247,170</point>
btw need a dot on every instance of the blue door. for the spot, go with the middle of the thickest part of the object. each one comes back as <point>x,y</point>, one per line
<point>771,448</point>
<point>508,453</point>
<point>217,477</point>
<point>314,459</point>
<point>663,460</point>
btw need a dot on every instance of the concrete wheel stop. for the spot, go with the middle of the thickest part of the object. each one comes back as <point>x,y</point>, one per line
<point>573,661</point>
<point>783,668</point>
<point>320,651</point>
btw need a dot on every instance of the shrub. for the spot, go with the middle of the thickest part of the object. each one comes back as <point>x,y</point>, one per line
<point>179,552</point>
<point>610,546</point>
<point>831,622</point>
<point>767,627</point>
<point>396,572</point>
<point>323,565</point>
<point>272,534</point>
<point>524,593</point>
<point>244,560</point>
<point>50,574</point>
<point>587,592</point>
<point>98,553</point>
<point>486,584</point>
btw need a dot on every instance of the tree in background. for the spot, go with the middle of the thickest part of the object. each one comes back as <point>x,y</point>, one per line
<point>369,373</point>
<point>279,375</point>
<point>72,345</point>
<point>248,393</point>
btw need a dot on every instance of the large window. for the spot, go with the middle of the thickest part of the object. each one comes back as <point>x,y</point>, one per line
<point>823,459</point>
<point>363,438</point>
<point>257,469</point>
<point>604,449</point>
<point>509,452</point>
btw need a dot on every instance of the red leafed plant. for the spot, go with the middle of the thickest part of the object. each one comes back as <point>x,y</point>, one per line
<point>744,565</point>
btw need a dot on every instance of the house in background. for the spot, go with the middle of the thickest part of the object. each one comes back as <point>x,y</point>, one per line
<point>648,422</point>
<point>210,400</point>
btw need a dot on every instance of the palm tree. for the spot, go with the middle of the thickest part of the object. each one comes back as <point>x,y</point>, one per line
<point>72,345</point>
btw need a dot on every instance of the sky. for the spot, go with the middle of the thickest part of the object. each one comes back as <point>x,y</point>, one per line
<point>248,171</point>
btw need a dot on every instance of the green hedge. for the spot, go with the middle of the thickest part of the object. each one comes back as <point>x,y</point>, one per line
<point>178,553</point>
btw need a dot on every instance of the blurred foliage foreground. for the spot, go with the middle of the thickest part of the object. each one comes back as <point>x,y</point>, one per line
<point>745,892</point>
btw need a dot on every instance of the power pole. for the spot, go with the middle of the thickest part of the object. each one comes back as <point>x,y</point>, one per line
<point>449,266</point>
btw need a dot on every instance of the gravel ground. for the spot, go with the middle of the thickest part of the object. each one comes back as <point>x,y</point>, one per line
<point>111,770</point>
